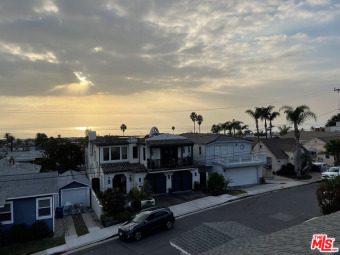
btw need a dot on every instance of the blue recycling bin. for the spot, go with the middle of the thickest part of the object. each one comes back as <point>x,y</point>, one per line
<point>60,211</point>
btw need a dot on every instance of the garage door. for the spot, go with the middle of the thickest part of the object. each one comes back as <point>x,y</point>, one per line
<point>157,183</point>
<point>242,176</point>
<point>181,181</point>
<point>75,196</point>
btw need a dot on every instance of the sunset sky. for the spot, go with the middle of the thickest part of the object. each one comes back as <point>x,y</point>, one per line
<point>70,64</point>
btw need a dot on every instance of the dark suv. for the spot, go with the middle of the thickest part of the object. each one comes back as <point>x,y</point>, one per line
<point>147,221</point>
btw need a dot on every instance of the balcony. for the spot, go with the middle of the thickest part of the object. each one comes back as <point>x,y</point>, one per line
<point>169,163</point>
<point>242,160</point>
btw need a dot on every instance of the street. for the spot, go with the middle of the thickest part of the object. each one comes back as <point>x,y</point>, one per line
<point>267,213</point>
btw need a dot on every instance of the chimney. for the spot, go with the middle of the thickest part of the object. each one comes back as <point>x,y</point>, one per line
<point>92,135</point>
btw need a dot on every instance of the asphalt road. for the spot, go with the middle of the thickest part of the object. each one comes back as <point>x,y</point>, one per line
<point>267,213</point>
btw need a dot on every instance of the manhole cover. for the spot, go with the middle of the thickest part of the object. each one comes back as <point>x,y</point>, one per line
<point>282,216</point>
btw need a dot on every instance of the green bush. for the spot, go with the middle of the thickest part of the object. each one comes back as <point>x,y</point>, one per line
<point>19,233</point>
<point>123,216</point>
<point>38,230</point>
<point>217,185</point>
<point>288,169</point>
<point>144,193</point>
<point>112,200</point>
<point>328,195</point>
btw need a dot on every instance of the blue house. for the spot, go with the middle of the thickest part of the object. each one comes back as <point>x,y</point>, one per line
<point>27,198</point>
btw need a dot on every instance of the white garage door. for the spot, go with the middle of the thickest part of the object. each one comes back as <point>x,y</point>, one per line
<point>75,196</point>
<point>241,177</point>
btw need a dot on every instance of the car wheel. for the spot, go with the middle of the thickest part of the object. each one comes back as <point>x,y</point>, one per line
<point>169,225</point>
<point>138,236</point>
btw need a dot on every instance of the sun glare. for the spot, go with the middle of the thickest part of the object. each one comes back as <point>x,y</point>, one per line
<point>83,128</point>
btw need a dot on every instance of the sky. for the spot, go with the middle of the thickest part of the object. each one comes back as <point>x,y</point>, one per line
<point>70,65</point>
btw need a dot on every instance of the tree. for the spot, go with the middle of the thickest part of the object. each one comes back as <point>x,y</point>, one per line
<point>333,148</point>
<point>235,125</point>
<point>216,129</point>
<point>193,117</point>
<point>40,139</point>
<point>199,122</point>
<point>123,128</point>
<point>272,116</point>
<point>297,117</point>
<point>256,115</point>
<point>333,120</point>
<point>244,130</point>
<point>284,130</point>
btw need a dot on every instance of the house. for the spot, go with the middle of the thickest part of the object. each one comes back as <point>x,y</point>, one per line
<point>230,156</point>
<point>314,142</point>
<point>335,128</point>
<point>279,151</point>
<point>164,160</point>
<point>10,165</point>
<point>27,198</point>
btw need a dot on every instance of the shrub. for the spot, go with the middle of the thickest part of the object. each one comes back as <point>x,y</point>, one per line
<point>217,185</point>
<point>144,193</point>
<point>19,233</point>
<point>328,195</point>
<point>123,216</point>
<point>286,170</point>
<point>112,200</point>
<point>38,230</point>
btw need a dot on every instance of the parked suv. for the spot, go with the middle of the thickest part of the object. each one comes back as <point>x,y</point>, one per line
<point>331,173</point>
<point>147,221</point>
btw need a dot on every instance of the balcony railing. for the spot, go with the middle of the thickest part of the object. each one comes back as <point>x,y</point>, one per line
<point>257,159</point>
<point>171,163</point>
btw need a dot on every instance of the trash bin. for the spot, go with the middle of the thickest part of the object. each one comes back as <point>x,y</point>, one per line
<point>60,211</point>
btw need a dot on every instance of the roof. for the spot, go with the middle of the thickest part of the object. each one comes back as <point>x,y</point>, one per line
<point>72,176</point>
<point>26,185</point>
<point>307,135</point>
<point>210,138</point>
<point>327,139</point>
<point>24,156</point>
<point>207,236</point>
<point>110,140</point>
<point>168,140</point>
<point>279,146</point>
<point>123,167</point>
<point>18,168</point>
<point>293,240</point>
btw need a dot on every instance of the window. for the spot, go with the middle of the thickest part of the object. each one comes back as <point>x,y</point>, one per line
<point>260,146</point>
<point>200,150</point>
<point>124,152</point>
<point>44,208</point>
<point>135,152</point>
<point>6,213</point>
<point>106,154</point>
<point>327,156</point>
<point>144,153</point>
<point>115,153</point>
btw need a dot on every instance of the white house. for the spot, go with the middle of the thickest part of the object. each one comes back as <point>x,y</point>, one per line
<point>230,156</point>
<point>164,160</point>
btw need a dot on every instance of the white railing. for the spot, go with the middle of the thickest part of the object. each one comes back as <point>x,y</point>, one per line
<point>243,159</point>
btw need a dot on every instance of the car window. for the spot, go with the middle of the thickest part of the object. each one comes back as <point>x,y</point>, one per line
<point>150,217</point>
<point>140,217</point>
<point>159,214</point>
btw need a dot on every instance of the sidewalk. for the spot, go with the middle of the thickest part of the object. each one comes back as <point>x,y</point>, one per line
<point>96,234</point>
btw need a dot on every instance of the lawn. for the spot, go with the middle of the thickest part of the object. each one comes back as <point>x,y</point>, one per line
<point>32,247</point>
<point>79,224</point>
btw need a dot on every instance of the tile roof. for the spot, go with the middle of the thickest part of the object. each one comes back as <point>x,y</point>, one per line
<point>209,138</point>
<point>207,236</point>
<point>173,142</point>
<point>110,140</point>
<point>123,167</point>
<point>307,135</point>
<point>279,146</point>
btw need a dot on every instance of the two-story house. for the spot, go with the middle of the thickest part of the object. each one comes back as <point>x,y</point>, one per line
<point>164,160</point>
<point>230,156</point>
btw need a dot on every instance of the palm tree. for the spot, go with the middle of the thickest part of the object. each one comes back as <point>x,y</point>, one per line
<point>245,128</point>
<point>193,117</point>
<point>199,119</point>
<point>297,117</point>
<point>123,128</point>
<point>173,129</point>
<point>333,149</point>
<point>235,125</point>
<point>255,115</point>
<point>265,114</point>
<point>272,116</point>
<point>284,130</point>
<point>226,126</point>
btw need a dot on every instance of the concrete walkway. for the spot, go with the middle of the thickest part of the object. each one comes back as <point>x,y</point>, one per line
<point>97,234</point>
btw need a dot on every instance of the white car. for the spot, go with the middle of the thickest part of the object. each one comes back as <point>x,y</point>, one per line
<point>331,173</point>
